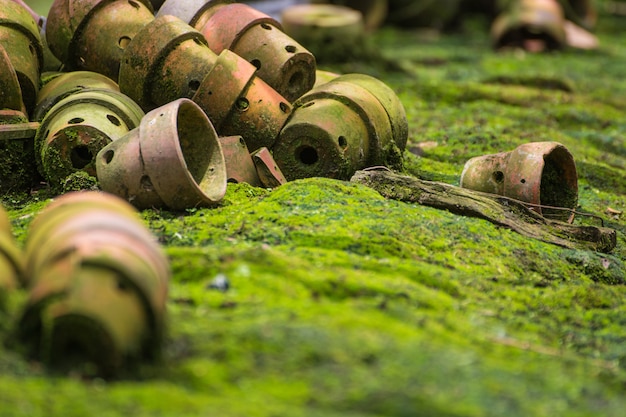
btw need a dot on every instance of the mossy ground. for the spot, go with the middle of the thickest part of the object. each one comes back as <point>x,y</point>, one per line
<point>342,303</point>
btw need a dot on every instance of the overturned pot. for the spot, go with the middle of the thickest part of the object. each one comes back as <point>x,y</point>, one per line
<point>97,287</point>
<point>540,173</point>
<point>173,159</point>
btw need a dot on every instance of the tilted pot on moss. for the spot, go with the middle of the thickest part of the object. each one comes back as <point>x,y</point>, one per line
<point>172,160</point>
<point>539,173</point>
<point>19,36</point>
<point>350,123</point>
<point>169,59</point>
<point>97,286</point>
<point>534,25</point>
<point>77,127</point>
<point>93,34</point>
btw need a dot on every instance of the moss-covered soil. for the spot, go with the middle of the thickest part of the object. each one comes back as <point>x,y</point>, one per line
<point>343,303</point>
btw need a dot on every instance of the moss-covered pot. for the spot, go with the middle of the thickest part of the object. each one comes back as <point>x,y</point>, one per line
<point>77,127</point>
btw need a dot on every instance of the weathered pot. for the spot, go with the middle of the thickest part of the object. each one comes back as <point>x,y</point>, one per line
<point>330,32</point>
<point>93,34</point>
<point>173,159</point>
<point>539,173</point>
<point>67,84</point>
<point>11,257</point>
<point>19,35</point>
<point>323,138</point>
<point>341,127</point>
<point>98,286</point>
<point>389,100</point>
<point>167,60</point>
<point>11,93</point>
<point>534,25</point>
<point>281,62</point>
<point>239,164</point>
<point>374,11</point>
<point>240,103</point>
<point>77,127</point>
<point>323,77</point>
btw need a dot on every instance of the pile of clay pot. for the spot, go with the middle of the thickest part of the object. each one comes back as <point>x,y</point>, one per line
<point>164,109</point>
<point>161,111</point>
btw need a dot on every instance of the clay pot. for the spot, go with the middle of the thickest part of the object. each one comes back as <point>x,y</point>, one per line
<point>281,62</point>
<point>240,103</point>
<point>533,25</point>
<point>97,288</point>
<point>66,84</point>
<point>93,34</point>
<point>167,60</point>
<point>539,173</point>
<point>330,32</point>
<point>19,36</point>
<point>341,127</point>
<point>374,11</point>
<point>173,159</point>
<point>78,126</point>
<point>239,164</point>
<point>18,170</point>
<point>270,175</point>
<point>9,85</point>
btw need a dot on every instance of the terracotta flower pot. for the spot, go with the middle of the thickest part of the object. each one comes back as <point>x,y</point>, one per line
<point>330,32</point>
<point>173,159</point>
<point>167,60</point>
<point>374,11</point>
<point>240,103</point>
<point>281,62</point>
<point>93,34</point>
<point>534,25</point>
<point>66,84</point>
<point>239,164</point>
<point>98,286</point>
<point>340,127</point>
<point>540,173</point>
<point>19,35</point>
<point>77,127</point>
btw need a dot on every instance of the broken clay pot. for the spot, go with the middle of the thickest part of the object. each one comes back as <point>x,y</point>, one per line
<point>539,173</point>
<point>239,164</point>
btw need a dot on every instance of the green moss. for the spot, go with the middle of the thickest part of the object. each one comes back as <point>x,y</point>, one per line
<point>343,303</point>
